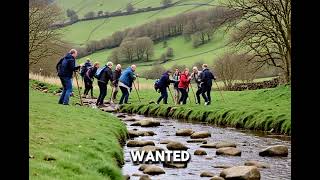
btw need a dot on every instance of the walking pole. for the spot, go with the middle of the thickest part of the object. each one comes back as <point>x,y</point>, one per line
<point>194,95</point>
<point>76,76</point>
<point>138,83</point>
<point>136,91</point>
<point>171,94</point>
<point>219,91</point>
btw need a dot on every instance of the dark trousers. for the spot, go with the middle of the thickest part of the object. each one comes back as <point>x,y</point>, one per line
<point>206,94</point>
<point>88,86</point>
<point>103,92</point>
<point>125,95</point>
<point>199,91</point>
<point>67,89</point>
<point>184,96</point>
<point>164,96</point>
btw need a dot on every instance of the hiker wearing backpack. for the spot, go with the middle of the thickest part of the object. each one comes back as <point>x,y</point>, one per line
<point>184,85</point>
<point>162,85</point>
<point>115,82</point>
<point>103,78</point>
<point>176,78</point>
<point>84,68</point>
<point>206,83</point>
<point>195,75</point>
<point>88,79</point>
<point>125,83</point>
<point>65,68</point>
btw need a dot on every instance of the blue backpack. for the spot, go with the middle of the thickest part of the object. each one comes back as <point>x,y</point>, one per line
<point>98,73</point>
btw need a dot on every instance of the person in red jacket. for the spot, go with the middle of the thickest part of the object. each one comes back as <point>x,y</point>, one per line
<point>184,85</point>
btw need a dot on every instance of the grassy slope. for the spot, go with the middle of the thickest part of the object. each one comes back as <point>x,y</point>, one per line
<point>263,109</point>
<point>78,33</point>
<point>84,6</point>
<point>83,141</point>
<point>181,49</point>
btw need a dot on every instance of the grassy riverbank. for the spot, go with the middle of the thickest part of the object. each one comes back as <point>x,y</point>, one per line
<point>84,143</point>
<point>264,109</point>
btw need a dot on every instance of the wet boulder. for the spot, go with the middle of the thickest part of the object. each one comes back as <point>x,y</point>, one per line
<point>146,123</point>
<point>277,150</point>
<point>174,165</point>
<point>217,178</point>
<point>257,164</point>
<point>225,144</point>
<point>203,141</point>
<point>133,134</point>
<point>134,143</point>
<point>206,174</point>
<point>176,146</point>
<point>200,152</point>
<point>149,148</point>
<point>184,132</point>
<point>200,134</point>
<point>143,167</point>
<point>209,145</point>
<point>230,151</point>
<point>145,177</point>
<point>241,172</point>
<point>166,141</point>
<point>153,170</point>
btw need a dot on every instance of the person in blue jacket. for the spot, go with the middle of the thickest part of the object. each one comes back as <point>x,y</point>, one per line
<point>163,84</point>
<point>65,68</point>
<point>125,83</point>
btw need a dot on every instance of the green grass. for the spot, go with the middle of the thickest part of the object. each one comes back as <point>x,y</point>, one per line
<point>84,141</point>
<point>84,6</point>
<point>79,32</point>
<point>263,109</point>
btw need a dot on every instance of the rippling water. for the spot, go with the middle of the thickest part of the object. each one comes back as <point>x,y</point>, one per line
<point>249,144</point>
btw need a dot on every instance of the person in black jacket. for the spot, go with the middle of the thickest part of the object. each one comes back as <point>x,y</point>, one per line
<point>65,68</point>
<point>104,77</point>
<point>115,82</point>
<point>163,83</point>
<point>88,79</point>
<point>206,83</point>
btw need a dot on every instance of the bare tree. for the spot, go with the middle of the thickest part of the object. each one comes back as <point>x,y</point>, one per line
<point>264,30</point>
<point>43,41</point>
<point>169,52</point>
<point>130,8</point>
<point>90,14</point>
<point>127,48</point>
<point>232,67</point>
<point>166,2</point>
<point>115,56</point>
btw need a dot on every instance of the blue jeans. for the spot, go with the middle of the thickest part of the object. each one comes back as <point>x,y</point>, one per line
<point>125,95</point>
<point>164,95</point>
<point>67,89</point>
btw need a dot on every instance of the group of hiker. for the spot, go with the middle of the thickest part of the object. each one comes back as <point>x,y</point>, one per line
<point>124,80</point>
<point>182,84</point>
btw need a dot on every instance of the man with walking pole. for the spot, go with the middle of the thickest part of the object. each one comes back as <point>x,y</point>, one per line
<point>206,83</point>
<point>125,83</point>
<point>65,68</point>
